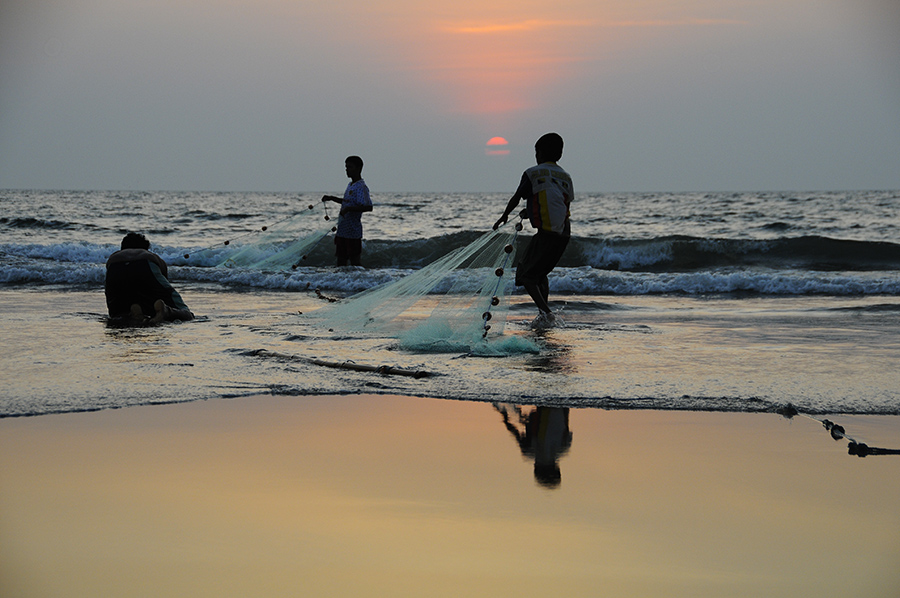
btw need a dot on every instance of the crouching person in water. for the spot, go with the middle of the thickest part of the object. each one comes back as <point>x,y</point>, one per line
<point>137,285</point>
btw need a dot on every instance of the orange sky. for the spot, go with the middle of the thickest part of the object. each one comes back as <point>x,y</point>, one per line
<point>234,94</point>
<point>504,57</point>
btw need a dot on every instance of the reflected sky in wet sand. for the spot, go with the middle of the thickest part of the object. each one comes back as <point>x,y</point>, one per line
<point>396,496</point>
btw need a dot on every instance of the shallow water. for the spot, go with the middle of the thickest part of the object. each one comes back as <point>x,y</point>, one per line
<point>821,354</point>
<point>825,243</point>
<point>733,301</point>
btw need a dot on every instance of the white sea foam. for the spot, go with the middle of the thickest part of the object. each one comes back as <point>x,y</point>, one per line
<point>81,264</point>
<point>830,261</point>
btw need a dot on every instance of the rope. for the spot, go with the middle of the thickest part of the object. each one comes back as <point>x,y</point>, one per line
<point>495,298</point>
<point>837,432</point>
<point>263,229</point>
<point>319,240</point>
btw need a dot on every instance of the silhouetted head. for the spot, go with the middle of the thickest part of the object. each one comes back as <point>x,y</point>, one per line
<point>353,166</point>
<point>547,475</point>
<point>135,241</point>
<point>549,147</point>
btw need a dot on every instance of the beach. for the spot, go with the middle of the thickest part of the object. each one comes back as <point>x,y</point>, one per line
<point>388,495</point>
<point>621,317</point>
<point>715,414</point>
<point>178,460</point>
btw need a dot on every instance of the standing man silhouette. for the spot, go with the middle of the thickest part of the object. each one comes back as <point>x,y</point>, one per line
<point>348,238</point>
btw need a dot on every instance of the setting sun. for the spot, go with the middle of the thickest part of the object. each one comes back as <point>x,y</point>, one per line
<point>496,146</point>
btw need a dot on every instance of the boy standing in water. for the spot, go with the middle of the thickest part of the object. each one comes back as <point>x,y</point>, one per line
<point>547,190</point>
<point>348,238</point>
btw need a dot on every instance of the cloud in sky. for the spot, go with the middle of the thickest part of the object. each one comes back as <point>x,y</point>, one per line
<point>536,25</point>
<point>273,94</point>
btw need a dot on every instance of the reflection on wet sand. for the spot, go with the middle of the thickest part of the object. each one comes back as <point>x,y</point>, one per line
<point>389,496</point>
<point>543,435</point>
<point>554,358</point>
<point>838,432</point>
<point>863,450</point>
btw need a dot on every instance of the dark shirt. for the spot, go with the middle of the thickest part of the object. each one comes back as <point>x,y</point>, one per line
<point>138,276</point>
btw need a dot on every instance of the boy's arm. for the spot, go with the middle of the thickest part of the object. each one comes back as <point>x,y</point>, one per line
<point>523,191</point>
<point>160,263</point>
<point>513,202</point>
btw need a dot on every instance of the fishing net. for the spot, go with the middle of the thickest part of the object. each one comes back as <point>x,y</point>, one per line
<point>282,246</point>
<point>278,248</point>
<point>455,304</point>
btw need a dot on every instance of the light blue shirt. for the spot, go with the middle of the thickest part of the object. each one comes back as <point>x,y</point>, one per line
<point>350,224</point>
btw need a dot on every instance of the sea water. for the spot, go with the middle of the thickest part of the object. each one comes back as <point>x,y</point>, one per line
<point>730,301</point>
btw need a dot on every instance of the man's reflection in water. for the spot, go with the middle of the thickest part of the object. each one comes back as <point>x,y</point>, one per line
<point>544,436</point>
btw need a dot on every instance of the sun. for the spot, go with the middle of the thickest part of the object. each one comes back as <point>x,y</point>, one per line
<point>496,146</point>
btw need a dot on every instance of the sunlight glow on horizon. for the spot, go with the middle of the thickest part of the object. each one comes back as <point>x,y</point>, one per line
<point>490,65</point>
<point>494,72</point>
<point>531,25</point>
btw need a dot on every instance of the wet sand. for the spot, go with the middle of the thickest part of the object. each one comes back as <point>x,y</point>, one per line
<point>396,496</point>
<point>821,354</point>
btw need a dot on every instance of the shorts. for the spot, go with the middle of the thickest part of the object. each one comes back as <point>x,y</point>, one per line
<point>540,257</point>
<point>347,248</point>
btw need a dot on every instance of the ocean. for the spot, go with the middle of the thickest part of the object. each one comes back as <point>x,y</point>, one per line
<point>688,301</point>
